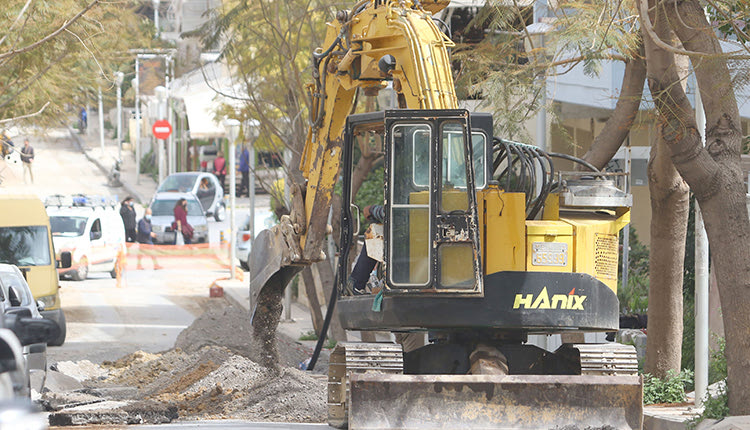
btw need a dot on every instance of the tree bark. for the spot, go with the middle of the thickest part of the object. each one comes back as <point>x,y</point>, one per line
<point>670,204</point>
<point>325,272</point>
<point>713,173</point>
<point>312,299</point>
<point>617,127</point>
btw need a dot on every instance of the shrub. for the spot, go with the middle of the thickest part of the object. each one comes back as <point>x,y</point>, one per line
<point>714,408</point>
<point>670,389</point>
<point>310,335</point>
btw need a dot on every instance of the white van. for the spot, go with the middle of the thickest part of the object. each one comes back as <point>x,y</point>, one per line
<point>91,229</point>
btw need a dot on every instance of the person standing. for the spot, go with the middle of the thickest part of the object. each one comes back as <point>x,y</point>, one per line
<point>180,224</point>
<point>128,218</point>
<point>27,156</point>
<point>84,119</point>
<point>220,168</point>
<point>245,171</point>
<point>146,237</point>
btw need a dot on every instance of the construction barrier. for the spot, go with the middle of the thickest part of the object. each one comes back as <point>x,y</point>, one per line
<point>202,256</point>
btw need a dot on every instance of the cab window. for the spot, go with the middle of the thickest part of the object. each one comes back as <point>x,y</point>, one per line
<point>96,230</point>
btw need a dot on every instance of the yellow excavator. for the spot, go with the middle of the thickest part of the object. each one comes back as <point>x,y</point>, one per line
<point>483,244</point>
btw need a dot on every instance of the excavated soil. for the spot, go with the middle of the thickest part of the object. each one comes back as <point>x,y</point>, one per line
<point>213,372</point>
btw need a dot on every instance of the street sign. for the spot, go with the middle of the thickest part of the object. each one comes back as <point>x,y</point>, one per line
<point>162,129</point>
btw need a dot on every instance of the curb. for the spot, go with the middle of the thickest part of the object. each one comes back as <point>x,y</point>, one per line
<point>128,188</point>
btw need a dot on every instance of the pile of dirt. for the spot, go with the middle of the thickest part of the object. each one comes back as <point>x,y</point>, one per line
<point>213,383</point>
<point>213,373</point>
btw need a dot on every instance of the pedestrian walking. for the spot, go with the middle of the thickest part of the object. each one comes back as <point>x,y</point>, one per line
<point>127,212</point>
<point>183,229</point>
<point>27,156</point>
<point>146,237</point>
<point>220,168</point>
<point>84,119</point>
<point>245,171</point>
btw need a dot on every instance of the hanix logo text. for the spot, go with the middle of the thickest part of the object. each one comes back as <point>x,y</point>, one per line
<point>569,301</point>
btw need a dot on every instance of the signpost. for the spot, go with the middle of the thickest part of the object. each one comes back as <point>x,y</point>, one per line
<point>162,129</point>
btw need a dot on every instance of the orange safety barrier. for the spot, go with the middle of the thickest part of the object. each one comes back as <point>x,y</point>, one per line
<point>202,256</point>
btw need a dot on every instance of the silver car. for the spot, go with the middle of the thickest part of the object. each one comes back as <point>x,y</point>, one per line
<point>21,314</point>
<point>162,208</point>
<point>205,186</point>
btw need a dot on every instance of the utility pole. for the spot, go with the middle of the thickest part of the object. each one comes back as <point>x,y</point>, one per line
<point>101,120</point>
<point>118,80</point>
<point>136,85</point>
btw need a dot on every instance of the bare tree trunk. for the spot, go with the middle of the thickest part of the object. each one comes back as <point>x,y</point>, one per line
<point>670,204</point>
<point>714,175</point>
<point>312,299</point>
<point>617,127</point>
<point>325,273</point>
<point>669,215</point>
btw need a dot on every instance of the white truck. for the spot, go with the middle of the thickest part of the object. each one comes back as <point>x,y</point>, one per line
<point>91,229</point>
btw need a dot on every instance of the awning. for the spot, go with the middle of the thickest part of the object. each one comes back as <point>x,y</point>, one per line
<point>201,100</point>
<point>199,108</point>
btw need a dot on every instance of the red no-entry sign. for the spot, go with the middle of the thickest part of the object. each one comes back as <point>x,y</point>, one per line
<point>162,129</point>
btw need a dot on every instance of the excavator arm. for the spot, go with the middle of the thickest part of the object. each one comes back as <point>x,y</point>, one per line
<point>376,42</point>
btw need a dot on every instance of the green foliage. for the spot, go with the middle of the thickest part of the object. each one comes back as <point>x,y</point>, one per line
<point>717,407</point>
<point>267,45</point>
<point>731,18</point>
<point>41,62</point>
<point>148,165</point>
<point>714,408</point>
<point>508,68</point>
<point>330,344</point>
<point>634,297</point>
<point>717,365</point>
<point>670,389</point>
<point>688,293</point>
<point>309,335</point>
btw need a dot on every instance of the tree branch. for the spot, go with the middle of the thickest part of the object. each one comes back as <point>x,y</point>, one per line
<point>51,35</point>
<point>39,112</point>
<point>648,27</point>
<point>619,124</point>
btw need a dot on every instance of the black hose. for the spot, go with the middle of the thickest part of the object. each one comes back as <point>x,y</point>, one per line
<point>326,322</point>
<point>575,160</point>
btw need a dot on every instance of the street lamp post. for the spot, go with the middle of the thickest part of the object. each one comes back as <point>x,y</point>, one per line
<point>156,16</point>
<point>136,85</point>
<point>232,127</point>
<point>101,120</point>
<point>252,131</point>
<point>119,76</point>
<point>161,97</point>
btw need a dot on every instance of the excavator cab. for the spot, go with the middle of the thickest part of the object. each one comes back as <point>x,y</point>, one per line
<point>430,235</point>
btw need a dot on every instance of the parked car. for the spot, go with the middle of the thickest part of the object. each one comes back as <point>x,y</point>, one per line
<point>162,208</point>
<point>18,305</point>
<point>211,198</point>
<point>264,219</point>
<point>26,233</point>
<point>91,229</point>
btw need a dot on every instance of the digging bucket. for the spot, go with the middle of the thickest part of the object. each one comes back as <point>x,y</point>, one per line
<point>390,401</point>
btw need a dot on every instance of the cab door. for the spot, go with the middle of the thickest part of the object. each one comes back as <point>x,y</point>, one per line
<point>431,228</point>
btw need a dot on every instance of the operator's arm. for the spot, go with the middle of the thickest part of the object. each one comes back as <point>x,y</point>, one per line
<point>375,213</point>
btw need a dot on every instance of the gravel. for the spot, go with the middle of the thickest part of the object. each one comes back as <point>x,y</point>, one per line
<point>212,372</point>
